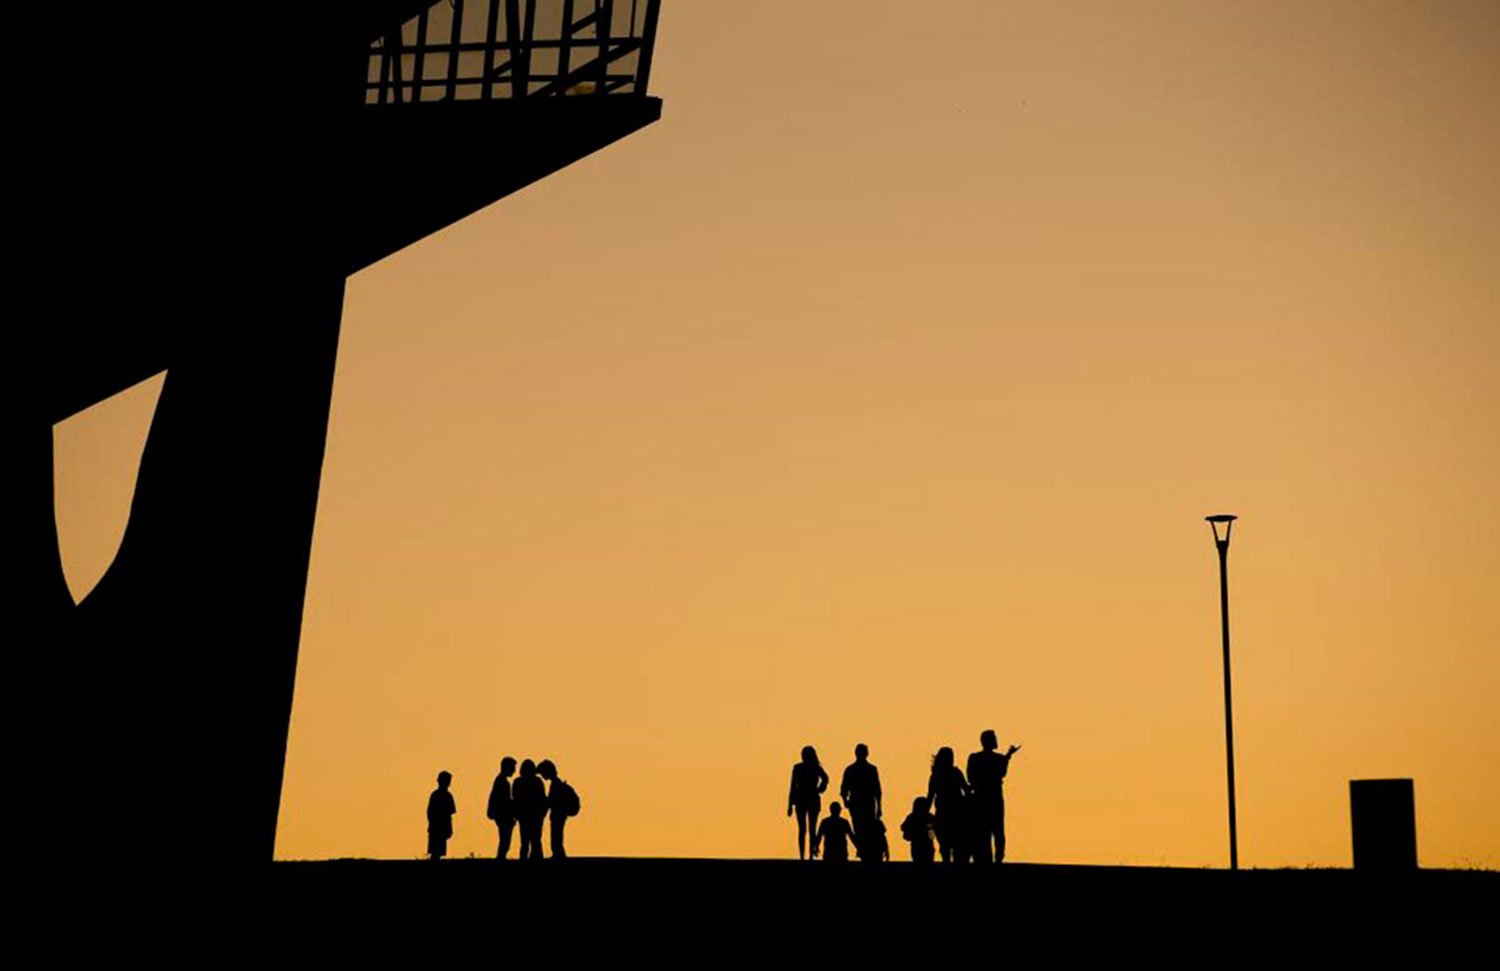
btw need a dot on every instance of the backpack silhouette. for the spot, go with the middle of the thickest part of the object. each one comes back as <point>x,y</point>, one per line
<point>564,798</point>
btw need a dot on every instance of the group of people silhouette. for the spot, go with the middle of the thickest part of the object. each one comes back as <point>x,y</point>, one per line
<point>965,814</point>
<point>537,795</point>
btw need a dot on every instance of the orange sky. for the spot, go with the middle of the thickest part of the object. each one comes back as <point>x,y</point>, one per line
<point>877,394</point>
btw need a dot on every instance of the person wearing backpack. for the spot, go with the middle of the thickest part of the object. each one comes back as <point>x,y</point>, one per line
<point>562,802</point>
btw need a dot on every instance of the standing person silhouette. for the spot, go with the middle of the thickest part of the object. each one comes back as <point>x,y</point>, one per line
<point>562,802</point>
<point>502,807</point>
<point>529,797</point>
<point>860,791</point>
<point>946,790</point>
<point>440,812</point>
<point>834,834</point>
<point>987,769</point>
<point>805,797</point>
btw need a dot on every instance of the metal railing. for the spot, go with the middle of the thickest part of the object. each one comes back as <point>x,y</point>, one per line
<point>460,50</point>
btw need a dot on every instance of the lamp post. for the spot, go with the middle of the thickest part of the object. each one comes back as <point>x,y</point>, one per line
<point>1221,543</point>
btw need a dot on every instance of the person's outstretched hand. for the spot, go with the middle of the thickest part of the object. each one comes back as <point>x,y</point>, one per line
<point>1013,750</point>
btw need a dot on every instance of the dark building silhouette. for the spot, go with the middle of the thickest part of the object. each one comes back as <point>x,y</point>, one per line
<point>1383,820</point>
<point>201,180</point>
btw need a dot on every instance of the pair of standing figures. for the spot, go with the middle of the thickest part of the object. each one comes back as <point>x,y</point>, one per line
<point>860,790</point>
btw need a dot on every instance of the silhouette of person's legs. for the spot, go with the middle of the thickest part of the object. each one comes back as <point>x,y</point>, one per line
<point>531,839</point>
<point>982,842</point>
<point>807,825</point>
<point>945,828</point>
<point>506,828</point>
<point>559,824</point>
<point>863,821</point>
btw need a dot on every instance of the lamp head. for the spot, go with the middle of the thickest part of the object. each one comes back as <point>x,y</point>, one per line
<point>1227,521</point>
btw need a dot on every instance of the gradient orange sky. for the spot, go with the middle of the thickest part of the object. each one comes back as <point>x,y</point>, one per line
<point>877,394</point>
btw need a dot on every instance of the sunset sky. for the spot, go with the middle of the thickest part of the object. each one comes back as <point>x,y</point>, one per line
<point>878,392</point>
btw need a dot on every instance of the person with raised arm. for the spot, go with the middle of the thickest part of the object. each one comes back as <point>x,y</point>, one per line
<point>987,770</point>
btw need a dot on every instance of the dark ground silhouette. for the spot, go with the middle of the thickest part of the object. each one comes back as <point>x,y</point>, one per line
<point>685,910</point>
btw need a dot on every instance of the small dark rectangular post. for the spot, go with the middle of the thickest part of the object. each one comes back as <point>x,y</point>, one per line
<point>565,47</point>
<point>528,34</point>
<point>605,19</point>
<point>455,38</point>
<point>1383,818</point>
<point>416,70</point>
<point>648,46</point>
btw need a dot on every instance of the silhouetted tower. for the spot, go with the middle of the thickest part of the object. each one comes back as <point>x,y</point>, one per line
<point>204,178</point>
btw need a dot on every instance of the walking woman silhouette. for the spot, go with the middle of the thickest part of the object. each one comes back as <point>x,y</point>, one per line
<point>805,799</point>
<point>946,791</point>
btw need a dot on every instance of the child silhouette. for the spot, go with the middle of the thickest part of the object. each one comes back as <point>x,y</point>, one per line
<point>440,810</point>
<point>916,829</point>
<point>834,835</point>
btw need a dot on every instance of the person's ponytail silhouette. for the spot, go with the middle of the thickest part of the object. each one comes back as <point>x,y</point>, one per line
<point>502,807</point>
<point>805,798</point>
<point>530,798</point>
<point>834,835</point>
<point>946,790</point>
<point>440,812</point>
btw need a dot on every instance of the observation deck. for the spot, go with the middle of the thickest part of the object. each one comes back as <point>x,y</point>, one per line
<point>496,93</point>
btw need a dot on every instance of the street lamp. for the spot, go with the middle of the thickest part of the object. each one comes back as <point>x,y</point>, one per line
<point>1221,543</point>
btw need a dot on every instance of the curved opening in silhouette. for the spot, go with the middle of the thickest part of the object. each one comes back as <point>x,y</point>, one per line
<point>96,456</point>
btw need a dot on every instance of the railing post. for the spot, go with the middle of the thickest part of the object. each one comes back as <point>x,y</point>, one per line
<point>565,47</point>
<point>455,37</point>
<point>602,26</point>
<point>523,80</point>
<point>648,46</point>
<point>488,78</point>
<point>416,68</point>
<point>393,45</point>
